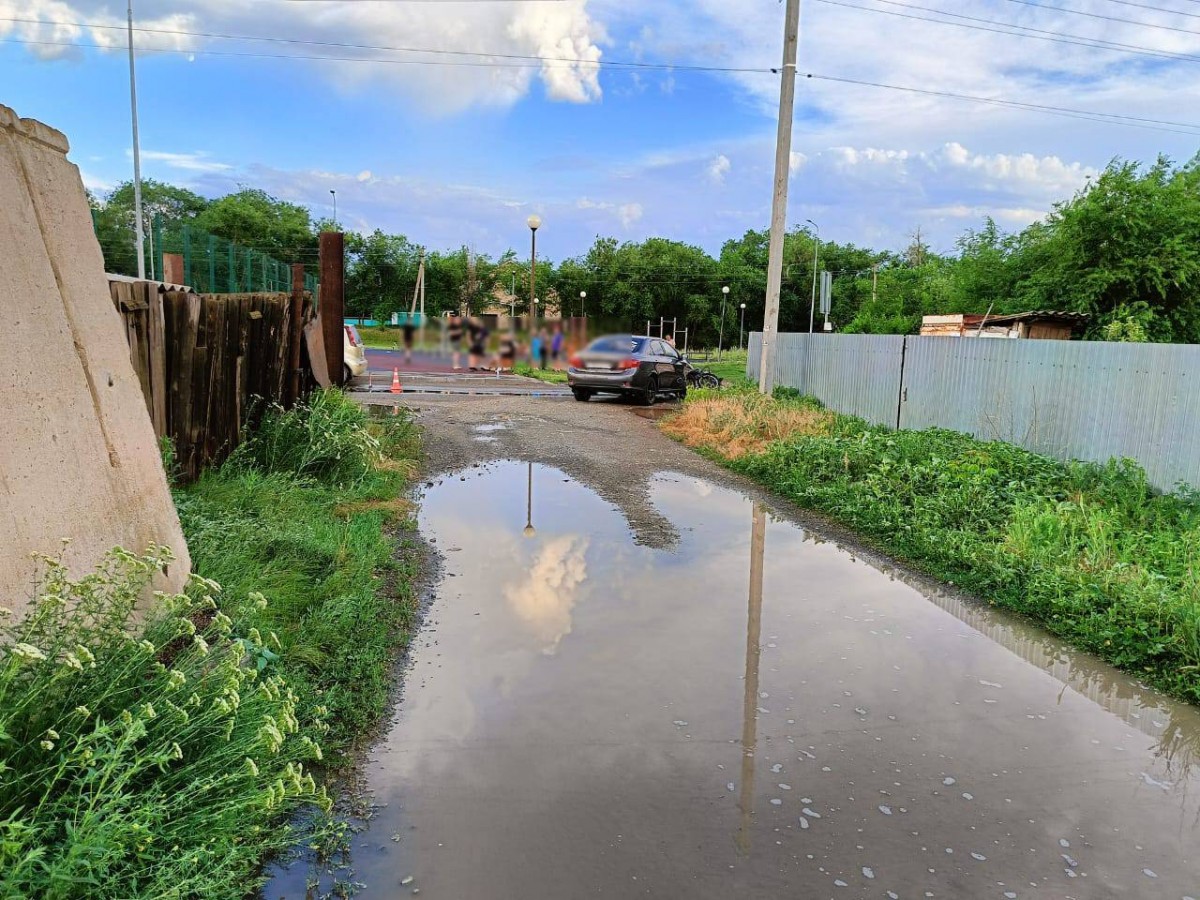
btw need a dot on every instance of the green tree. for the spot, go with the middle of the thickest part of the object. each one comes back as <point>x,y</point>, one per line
<point>254,219</point>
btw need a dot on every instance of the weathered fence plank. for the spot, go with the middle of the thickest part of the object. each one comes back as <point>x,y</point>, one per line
<point>203,359</point>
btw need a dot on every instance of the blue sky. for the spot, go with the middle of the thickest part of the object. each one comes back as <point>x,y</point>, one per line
<point>453,155</point>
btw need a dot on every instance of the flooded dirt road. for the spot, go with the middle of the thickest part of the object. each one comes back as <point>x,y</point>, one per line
<point>657,686</point>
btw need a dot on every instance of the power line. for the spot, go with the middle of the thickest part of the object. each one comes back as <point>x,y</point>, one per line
<point>1161,9</point>
<point>996,27</point>
<point>1087,115</point>
<point>1112,118</point>
<point>534,63</point>
<point>1092,15</point>
<point>371,47</point>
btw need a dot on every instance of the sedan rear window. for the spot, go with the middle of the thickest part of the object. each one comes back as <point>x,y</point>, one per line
<point>617,345</point>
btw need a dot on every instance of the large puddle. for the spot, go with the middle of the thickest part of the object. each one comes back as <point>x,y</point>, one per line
<point>750,713</point>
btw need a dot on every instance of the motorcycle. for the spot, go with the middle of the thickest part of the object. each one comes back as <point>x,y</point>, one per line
<point>702,378</point>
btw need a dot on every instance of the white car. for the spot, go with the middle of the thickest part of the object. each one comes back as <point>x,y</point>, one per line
<point>354,355</point>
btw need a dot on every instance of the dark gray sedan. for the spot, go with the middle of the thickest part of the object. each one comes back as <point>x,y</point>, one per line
<point>639,367</point>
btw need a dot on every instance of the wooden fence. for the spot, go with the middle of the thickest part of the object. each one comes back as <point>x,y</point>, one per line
<point>203,359</point>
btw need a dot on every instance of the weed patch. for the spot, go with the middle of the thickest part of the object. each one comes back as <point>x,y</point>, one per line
<point>731,424</point>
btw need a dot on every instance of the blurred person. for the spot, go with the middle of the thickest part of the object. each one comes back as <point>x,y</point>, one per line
<point>544,349</point>
<point>556,344</point>
<point>507,354</point>
<point>454,331</point>
<point>536,342</point>
<point>478,350</point>
<point>410,329</point>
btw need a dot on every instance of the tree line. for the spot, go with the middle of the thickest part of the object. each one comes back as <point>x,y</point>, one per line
<point>1125,250</point>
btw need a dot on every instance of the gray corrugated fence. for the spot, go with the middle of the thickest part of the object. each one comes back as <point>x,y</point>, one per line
<point>1069,399</point>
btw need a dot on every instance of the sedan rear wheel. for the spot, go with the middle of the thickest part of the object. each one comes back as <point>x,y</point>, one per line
<point>651,394</point>
<point>583,395</point>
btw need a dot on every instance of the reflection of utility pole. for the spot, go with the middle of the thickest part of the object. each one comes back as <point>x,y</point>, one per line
<point>530,531</point>
<point>758,534</point>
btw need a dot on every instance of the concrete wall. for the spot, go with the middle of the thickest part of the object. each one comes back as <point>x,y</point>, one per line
<point>78,457</point>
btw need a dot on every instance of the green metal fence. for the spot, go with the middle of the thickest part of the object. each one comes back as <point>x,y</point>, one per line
<point>214,265</point>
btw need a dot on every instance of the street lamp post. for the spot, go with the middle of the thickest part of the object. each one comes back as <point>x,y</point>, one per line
<point>534,222</point>
<point>334,194</point>
<point>742,326</point>
<point>721,338</point>
<point>139,231</point>
<point>816,247</point>
<point>583,303</point>
<point>529,530</point>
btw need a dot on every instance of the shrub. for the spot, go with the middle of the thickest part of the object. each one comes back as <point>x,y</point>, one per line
<point>325,438</point>
<point>161,765</point>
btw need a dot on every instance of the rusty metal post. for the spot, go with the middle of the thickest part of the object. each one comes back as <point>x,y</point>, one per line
<point>331,307</point>
<point>295,335</point>
<point>173,268</point>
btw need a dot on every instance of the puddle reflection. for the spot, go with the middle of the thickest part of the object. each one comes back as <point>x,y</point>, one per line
<point>758,535</point>
<point>587,712</point>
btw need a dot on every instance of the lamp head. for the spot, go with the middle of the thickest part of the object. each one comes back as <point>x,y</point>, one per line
<point>534,222</point>
<point>583,294</point>
<point>725,290</point>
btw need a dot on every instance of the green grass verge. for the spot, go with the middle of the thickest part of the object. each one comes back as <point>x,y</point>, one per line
<point>164,758</point>
<point>549,375</point>
<point>731,368</point>
<point>1091,552</point>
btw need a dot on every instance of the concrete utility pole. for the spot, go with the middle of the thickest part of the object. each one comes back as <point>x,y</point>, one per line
<point>816,249</point>
<point>783,158</point>
<point>137,157</point>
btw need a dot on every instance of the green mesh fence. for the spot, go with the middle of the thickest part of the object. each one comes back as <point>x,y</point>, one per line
<point>214,265</point>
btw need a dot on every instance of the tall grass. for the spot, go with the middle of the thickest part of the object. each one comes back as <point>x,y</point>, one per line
<point>151,766</point>
<point>302,513</point>
<point>1092,552</point>
<point>163,758</point>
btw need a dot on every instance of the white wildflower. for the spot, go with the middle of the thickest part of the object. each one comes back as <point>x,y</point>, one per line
<point>71,661</point>
<point>146,645</point>
<point>201,645</point>
<point>47,745</point>
<point>252,766</point>
<point>27,653</point>
<point>83,712</point>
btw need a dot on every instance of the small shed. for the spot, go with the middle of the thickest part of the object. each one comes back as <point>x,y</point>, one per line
<point>1034,325</point>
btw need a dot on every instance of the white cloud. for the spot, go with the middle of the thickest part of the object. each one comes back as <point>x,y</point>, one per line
<point>796,162</point>
<point>560,30</point>
<point>630,213</point>
<point>545,598</point>
<point>364,176</point>
<point>194,161</point>
<point>719,168</point>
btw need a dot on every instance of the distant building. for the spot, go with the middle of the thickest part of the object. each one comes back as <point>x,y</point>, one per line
<point>1037,325</point>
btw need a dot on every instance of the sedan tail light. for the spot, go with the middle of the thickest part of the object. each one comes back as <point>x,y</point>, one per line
<point>628,364</point>
<point>353,338</point>
<point>575,362</point>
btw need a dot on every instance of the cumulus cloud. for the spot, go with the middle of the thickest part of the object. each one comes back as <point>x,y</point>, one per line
<point>545,598</point>
<point>719,168</point>
<point>558,31</point>
<point>630,213</point>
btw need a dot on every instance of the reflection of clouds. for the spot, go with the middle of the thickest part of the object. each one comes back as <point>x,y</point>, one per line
<point>545,598</point>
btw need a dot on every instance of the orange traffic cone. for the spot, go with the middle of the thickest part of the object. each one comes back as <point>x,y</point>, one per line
<point>396,388</point>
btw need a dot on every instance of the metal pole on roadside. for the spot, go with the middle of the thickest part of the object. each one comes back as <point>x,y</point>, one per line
<point>742,326</point>
<point>721,338</point>
<point>534,222</point>
<point>137,155</point>
<point>783,158</point>
<point>816,249</point>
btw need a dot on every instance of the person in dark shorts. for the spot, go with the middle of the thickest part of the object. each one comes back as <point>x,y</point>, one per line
<point>410,329</point>
<point>544,349</point>
<point>508,352</point>
<point>454,332</point>
<point>478,349</point>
